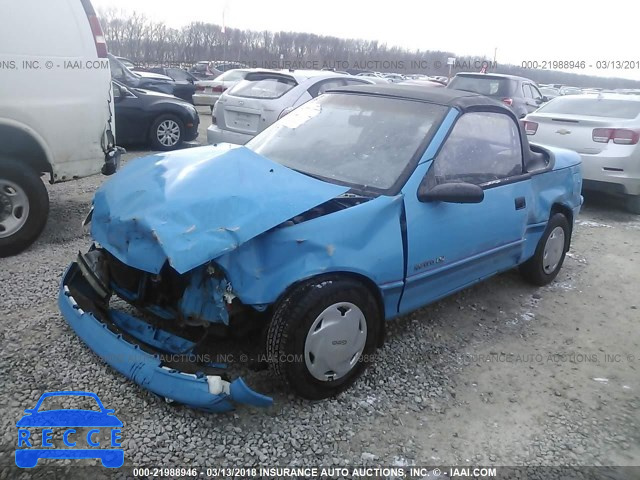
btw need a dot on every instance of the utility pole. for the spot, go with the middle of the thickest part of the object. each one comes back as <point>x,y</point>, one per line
<point>224,33</point>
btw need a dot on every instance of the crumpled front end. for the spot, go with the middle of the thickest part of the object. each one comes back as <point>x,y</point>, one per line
<point>143,351</point>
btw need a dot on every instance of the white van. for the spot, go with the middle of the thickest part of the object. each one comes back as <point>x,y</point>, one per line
<point>56,110</point>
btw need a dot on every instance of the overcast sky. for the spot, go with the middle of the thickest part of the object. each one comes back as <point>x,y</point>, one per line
<point>540,30</point>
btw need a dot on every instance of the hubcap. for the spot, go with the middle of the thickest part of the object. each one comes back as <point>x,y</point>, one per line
<point>335,341</point>
<point>168,133</point>
<point>553,250</point>
<point>14,208</point>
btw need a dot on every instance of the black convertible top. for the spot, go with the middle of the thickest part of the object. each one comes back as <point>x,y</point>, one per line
<point>440,96</point>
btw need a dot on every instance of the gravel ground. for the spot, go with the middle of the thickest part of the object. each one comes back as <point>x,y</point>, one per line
<point>499,374</point>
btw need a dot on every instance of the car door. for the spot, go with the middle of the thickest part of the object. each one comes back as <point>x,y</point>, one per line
<point>452,245</point>
<point>131,124</point>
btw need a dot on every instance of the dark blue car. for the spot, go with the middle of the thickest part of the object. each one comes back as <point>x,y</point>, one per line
<point>31,448</point>
<point>363,204</point>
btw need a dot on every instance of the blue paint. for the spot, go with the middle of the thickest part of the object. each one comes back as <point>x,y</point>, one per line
<point>204,298</point>
<point>192,205</point>
<point>143,368</point>
<point>226,209</point>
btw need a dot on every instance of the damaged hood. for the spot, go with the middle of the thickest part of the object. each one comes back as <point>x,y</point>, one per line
<point>193,205</point>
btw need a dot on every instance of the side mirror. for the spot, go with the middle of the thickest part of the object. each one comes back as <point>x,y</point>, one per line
<point>451,193</point>
<point>545,99</point>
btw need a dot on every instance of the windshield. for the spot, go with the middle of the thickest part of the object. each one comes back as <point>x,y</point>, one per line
<point>232,75</point>
<point>484,85</point>
<point>593,107</point>
<point>359,140</point>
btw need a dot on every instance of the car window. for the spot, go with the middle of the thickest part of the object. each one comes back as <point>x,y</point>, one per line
<point>593,107</point>
<point>178,74</point>
<point>360,140</point>
<point>484,85</point>
<point>117,71</point>
<point>549,92</point>
<point>483,147</point>
<point>324,85</point>
<point>526,90</point>
<point>232,75</point>
<point>355,81</point>
<point>116,90</point>
<point>535,92</point>
<point>263,86</point>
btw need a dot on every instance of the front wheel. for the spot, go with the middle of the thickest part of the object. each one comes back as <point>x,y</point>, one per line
<point>322,336</point>
<point>24,207</point>
<point>547,261</point>
<point>167,133</point>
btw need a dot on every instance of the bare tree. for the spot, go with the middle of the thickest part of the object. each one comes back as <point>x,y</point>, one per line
<point>134,36</point>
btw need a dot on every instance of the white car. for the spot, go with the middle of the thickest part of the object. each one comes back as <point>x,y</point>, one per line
<point>56,109</point>
<point>394,77</point>
<point>208,91</point>
<point>264,96</point>
<point>604,129</point>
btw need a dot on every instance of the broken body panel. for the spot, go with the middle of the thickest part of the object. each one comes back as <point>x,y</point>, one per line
<point>222,226</point>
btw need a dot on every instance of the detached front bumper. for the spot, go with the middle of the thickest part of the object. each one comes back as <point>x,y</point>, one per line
<point>134,348</point>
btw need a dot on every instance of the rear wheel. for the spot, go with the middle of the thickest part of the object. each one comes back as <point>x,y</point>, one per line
<point>633,204</point>
<point>322,336</point>
<point>167,132</point>
<point>24,207</point>
<point>545,264</point>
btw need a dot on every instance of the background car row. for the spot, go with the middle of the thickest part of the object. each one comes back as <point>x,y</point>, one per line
<point>264,96</point>
<point>601,126</point>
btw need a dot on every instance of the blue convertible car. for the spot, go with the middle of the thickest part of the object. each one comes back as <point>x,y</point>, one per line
<point>364,204</point>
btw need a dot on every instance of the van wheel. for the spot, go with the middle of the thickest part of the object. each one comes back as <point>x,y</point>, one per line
<point>633,204</point>
<point>167,133</point>
<point>545,264</point>
<point>322,336</point>
<point>24,207</point>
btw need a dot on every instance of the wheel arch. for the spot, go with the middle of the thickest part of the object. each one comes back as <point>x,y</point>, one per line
<point>363,280</point>
<point>568,213</point>
<point>23,144</point>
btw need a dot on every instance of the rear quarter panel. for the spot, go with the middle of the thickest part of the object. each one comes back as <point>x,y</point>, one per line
<point>559,187</point>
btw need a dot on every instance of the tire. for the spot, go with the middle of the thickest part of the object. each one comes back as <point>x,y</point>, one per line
<point>167,127</point>
<point>540,270</point>
<point>633,204</point>
<point>290,355</point>
<point>24,207</point>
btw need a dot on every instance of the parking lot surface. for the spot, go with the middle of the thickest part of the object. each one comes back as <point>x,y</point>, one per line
<point>500,374</point>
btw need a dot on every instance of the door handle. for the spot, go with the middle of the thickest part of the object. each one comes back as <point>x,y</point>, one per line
<point>521,202</point>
